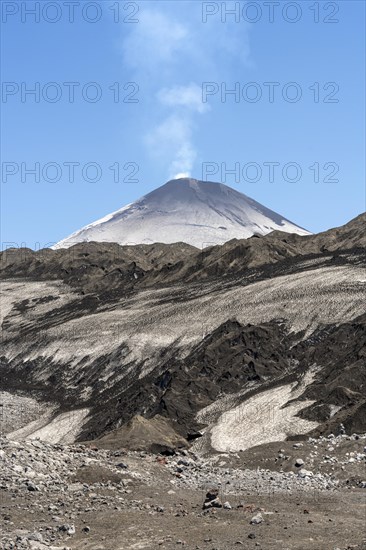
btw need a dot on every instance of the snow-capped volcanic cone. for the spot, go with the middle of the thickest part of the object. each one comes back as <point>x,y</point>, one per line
<point>185,210</point>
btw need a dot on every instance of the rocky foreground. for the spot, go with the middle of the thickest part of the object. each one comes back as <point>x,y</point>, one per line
<point>290,495</point>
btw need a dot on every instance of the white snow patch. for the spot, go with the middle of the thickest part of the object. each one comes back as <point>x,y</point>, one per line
<point>64,428</point>
<point>333,410</point>
<point>263,418</point>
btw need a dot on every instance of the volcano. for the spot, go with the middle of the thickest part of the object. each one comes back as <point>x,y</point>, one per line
<point>195,212</point>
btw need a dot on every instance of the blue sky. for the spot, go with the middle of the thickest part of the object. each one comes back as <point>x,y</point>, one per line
<point>149,81</point>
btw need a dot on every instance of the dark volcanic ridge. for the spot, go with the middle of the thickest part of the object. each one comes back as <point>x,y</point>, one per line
<point>97,267</point>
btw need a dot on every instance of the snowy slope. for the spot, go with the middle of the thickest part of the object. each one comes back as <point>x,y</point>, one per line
<point>185,210</point>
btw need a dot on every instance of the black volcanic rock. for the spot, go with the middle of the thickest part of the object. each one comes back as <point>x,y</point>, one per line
<point>233,355</point>
<point>341,351</point>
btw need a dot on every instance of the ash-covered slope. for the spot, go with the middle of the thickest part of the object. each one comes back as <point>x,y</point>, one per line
<point>98,333</point>
<point>185,210</point>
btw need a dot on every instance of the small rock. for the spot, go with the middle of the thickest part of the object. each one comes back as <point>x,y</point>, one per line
<point>36,537</point>
<point>212,494</point>
<point>69,529</point>
<point>305,473</point>
<point>122,465</point>
<point>212,499</point>
<point>257,519</point>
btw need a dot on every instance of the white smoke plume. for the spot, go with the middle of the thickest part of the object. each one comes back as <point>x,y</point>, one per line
<point>169,47</point>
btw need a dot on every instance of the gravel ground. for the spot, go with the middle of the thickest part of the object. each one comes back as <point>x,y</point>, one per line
<point>269,497</point>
